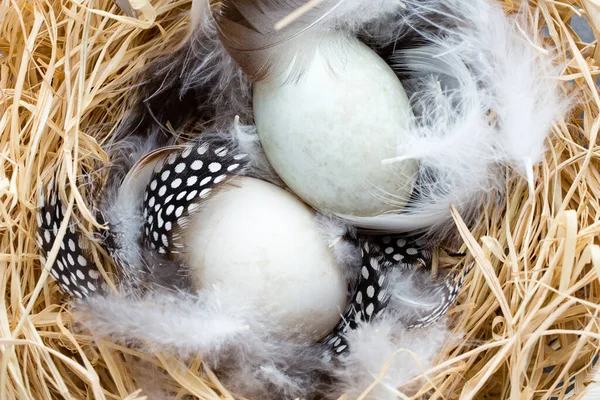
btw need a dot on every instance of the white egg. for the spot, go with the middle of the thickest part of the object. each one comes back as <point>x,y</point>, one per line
<point>327,133</point>
<point>261,241</point>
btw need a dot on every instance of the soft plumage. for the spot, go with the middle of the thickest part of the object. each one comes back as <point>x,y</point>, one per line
<point>418,300</point>
<point>180,323</point>
<point>342,239</point>
<point>236,340</point>
<point>196,85</point>
<point>485,97</point>
<point>386,354</point>
<point>119,205</point>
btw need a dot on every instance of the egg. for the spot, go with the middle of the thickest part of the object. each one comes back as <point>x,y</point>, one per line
<point>262,242</point>
<point>327,132</point>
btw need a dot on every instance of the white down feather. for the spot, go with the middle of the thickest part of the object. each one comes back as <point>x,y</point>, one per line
<point>485,97</point>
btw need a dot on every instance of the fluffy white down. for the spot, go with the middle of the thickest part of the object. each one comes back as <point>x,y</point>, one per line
<point>247,141</point>
<point>519,76</point>
<point>385,352</point>
<point>200,14</point>
<point>352,15</point>
<point>487,95</point>
<point>414,295</point>
<point>235,340</point>
<point>122,209</point>
<point>334,232</point>
<point>247,357</point>
<point>180,323</point>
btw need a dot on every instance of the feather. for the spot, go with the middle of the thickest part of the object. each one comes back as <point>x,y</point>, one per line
<point>178,185</point>
<point>385,356</point>
<point>417,300</point>
<point>247,142</point>
<point>121,200</point>
<point>180,323</point>
<point>383,257</point>
<point>139,175</point>
<point>485,97</point>
<point>197,84</point>
<point>238,341</point>
<point>343,241</point>
<point>518,76</point>
<point>252,33</point>
<point>525,91</point>
<point>452,140</point>
<point>147,208</point>
<point>73,268</point>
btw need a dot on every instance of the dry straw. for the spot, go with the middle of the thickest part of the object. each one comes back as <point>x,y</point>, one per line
<point>528,313</point>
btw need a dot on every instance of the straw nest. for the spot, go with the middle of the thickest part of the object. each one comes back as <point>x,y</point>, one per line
<point>528,313</point>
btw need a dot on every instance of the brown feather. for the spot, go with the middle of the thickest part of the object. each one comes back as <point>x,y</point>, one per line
<point>247,29</point>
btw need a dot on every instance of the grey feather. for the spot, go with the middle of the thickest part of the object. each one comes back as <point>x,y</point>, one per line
<point>232,338</point>
<point>250,31</point>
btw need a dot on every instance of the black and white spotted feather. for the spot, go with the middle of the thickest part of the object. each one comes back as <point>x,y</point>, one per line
<point>151,203</point>
<point>73,268</point>
<point>178,185</point>
<point>395,281</point>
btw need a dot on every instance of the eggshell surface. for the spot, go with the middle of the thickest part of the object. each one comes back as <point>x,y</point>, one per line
<point>327,133</point>
<point>261,241</point>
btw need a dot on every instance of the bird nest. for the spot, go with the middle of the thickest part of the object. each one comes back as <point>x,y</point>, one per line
<point>527,315</point>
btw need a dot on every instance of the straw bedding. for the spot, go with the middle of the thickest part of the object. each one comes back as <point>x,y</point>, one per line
<point>527,315</point>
